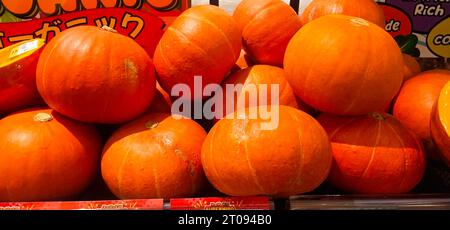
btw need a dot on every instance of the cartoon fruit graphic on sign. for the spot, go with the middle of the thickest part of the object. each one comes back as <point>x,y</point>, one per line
<point>338,58</point>
<point>86,73</point>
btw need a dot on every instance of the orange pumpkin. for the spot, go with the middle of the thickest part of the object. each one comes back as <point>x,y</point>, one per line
<point>203,41</point>
<point>241,157</point>
<point>86,73</point>
<point>366,9</point>
<point>440,123</point>
<point>161,101</point>
<point>334,64</point>
<point>373,154</point>
<point>267,26</point>
<point>411,67</point>
<point>45,156</point>
<point>18,75</point>
<point>156,156</point>
<point>243,62</point>
<point>416,99</point>
<point>257,81</point>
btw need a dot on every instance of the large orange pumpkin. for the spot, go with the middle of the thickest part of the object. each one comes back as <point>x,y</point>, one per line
<point>267,26</point>
<point>366,9</point>
<point>241,157</point>
<point>334,64</point>
<point>440,123</point>
<point>411,67</point>
<point>156,156</point>
<point>416,99</point>
<point>96,75</point>
<point>257,82</point>
<point>373,154</point>
<point>203,41</point>
<point>45,156</point>
<point>18,75</point>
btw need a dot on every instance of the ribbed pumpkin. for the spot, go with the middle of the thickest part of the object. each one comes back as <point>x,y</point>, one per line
<point>334,64</point>
<point>18,75</point>
<point>156,156</point>
<point>416,99</point>
<point>96,75</point>
<point>203,41</point>
<point>440,123</point>
<point>241,157</point>
<point>411,67</point>
<point>45,156</point>
<point>257,82</point>
<point>366,9</point>
<point>267,26</point>
<point>373,154</point>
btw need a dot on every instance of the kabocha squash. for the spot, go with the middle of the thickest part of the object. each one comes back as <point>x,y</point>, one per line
<point>203,41</point>
<point>411,67</point>
<point>415,101</point>
<point>257,82</point>
<point>96,75</point>
<point>267,26</point>
<point>242,158</point>
<point>156,156</point>
<point>440,123</point>
<point>373,154</point>
<point>45,156</point>
<point>366,9</point>
<point>334,64</point>
<point>18,75</point>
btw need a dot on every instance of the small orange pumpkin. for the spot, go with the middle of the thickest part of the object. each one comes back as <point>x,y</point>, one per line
<point>96,75</point>
<point>241,157</point>
<point>46,156</point>
<point>267,26</point>
<point>440,123</point>
<point>156,156</point>
<point>334,65</point>
<point>365,9</point>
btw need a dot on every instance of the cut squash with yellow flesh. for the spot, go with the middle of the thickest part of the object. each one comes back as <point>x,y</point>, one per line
<point>440,124</point>
<point>18,75</point>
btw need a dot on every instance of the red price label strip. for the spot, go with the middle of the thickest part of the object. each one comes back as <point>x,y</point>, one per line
<point>222,203</point>
<point>153,204</point>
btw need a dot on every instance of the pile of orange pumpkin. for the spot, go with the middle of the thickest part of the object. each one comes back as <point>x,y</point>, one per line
<point>339,74</point>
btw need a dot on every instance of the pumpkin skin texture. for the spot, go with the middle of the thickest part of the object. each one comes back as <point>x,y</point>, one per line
<point>156,156</point>
<point>86,74</point>
<point>411,67</point>
<point>46,156</point>
<point>373,154</point>
<point>440,121</point>
<point>267,26</point>
<point>203,41</point>
<point>18,77</point>
<point>415,102</point>
<point>242,159</point>
<point>253,78</point>
<point>338,58</point>
<point>365,9</point>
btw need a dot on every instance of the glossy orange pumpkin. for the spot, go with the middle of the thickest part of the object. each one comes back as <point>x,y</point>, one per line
<point>334,64</point>
<point>156,156</point>
<point>45,156</point>
<point>373,154</point>
<point>416,99</point>
<point>411,67</point>
<point>18,75</point>
<point>96,75</point>
<point>366,9</point>
<point>267,26</point>
<point>440,123</point>
<point>203,41</point>
<point>242,157</point>
<point>257,82</point>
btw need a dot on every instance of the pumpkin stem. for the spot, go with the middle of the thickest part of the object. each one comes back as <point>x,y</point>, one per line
<point>151,125</point>
<point>43,117</point>
<point>109,29</point>
<point>378,116</point>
